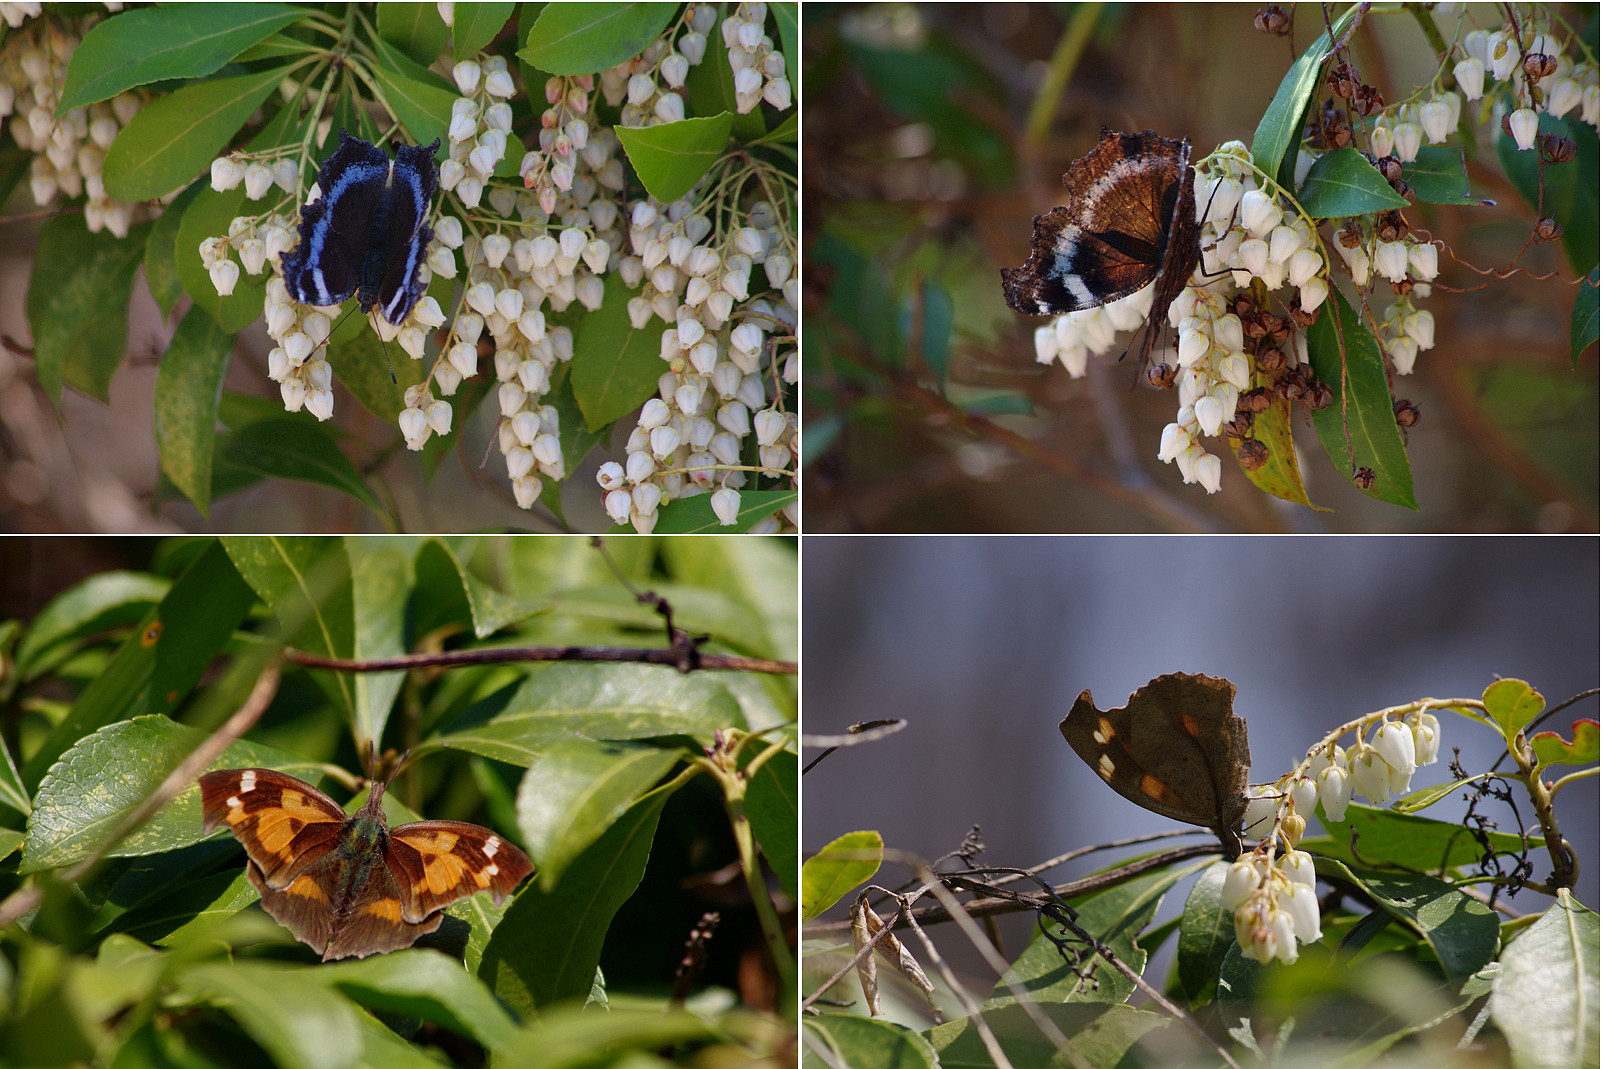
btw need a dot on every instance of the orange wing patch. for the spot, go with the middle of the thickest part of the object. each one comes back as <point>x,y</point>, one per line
<point>307,888</point>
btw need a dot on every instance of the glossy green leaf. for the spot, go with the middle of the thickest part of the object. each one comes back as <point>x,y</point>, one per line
<point>422,102</point>
<point>584,38</point>
<point>1551,748</point>
<point>85,795</point>
<point>1566,192</point>
<point>158,666</point>
<point>1512,704</point>
<point>155,44</point>
<point>176,137</point>
<point>548,945</point>
<point>1458,928</point>
<point>1104,1035</point>
<point>842,1039</point>
<point>671,157</point>
<point>1358,429</point>
<point>208,215</point>
<point>1545,996</point>
<point>474,26</point>
<point>161,251</point>
<point>596,701</point>
<point>1279,130</point>
<point>1280,474</point>
<point>574,790</point>
<point>414,28</point>
<point>97,604</point>
<point>78,304</point>
<point>1342,183</point>
<point>189,385</point>
<point>425,985</point>
<point>297,1020</point>
<point>615,367</point>
<point>774,810</point>
<point>1583,320</point>
<point>1438,176</point>
<point>294,446</point>
<point>839,869</point>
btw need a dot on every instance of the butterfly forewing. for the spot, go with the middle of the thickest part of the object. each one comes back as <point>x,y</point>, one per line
<point>283,824</point>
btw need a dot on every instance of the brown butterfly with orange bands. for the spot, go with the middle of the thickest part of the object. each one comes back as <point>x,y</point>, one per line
<point>350,886</point>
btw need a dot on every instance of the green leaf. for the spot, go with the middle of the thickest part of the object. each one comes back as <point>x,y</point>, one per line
<point>86,794</point>
<point>1358,429</point>
<point>851,1040</point>
<point>1280,474</point>
<point>775,814</point>
<point>1553,749</point>
<point>694,515</point>
<point>1460,930</point>
<point>208,215</point>
<point>1342,183</point>
<point>426,985</point>
<point>1583,320</point>
<point>839,869</point>
<point>1409,840</point>
<point>422,102</point>
<point>177,136</point>
<point>158,666</point>
<point>1438,176</point>
<point>1104,1035</point>
<point>161,251</point>
<point>589,38</point>
<point>787,14</point>
<point>296,447</point>
<point>414,28</point>
<point>1512,704</point>
<point>189,385</point>
<point>671,157</point>
<point>156,44</point>
<point>366,367</point>
<point>596,701</point>
<point>1545,995</point>
<point>576,438</point>
<point>474,26</point>
<point>78,304</point>
<point>300,1022</point>
<point>99,603</point>
<point>1567,192</point>
<point>491,609</point>
<point>382,582</point>
<point>615,367</point>
<point>548,945</point>
<point>308,584</point>
<point>574,790</point>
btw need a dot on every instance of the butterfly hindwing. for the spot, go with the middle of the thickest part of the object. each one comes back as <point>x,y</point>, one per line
<point>440,861</point>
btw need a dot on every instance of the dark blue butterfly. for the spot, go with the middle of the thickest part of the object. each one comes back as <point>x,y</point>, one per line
<point>365,234</point>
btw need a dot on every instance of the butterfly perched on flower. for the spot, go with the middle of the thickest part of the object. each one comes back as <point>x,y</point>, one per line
<point>365,234</point>
<point>350,886</point>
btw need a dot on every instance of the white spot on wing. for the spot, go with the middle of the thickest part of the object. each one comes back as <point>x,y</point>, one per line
<point>247,781</point>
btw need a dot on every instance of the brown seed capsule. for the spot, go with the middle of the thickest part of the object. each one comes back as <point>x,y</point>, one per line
<point>1364,479</point>
<point>1161,375</point>
<point>1273,19</point>
<point>1403,288</point>
<point>1291,389</point>
<point>1367,101</point>
<point>1338,134</point>
<point>1303,319</point>
<point>1255,400</point>
<point>1270,360</point>
<point>1351,235</point>
<point>1556,149</point>
<point>1252,454</point>
<point>1403,190</point>
<point>1390,167</point>
<point>1320,396</point>
<point>1391,226</point>
<point>1275,327</point>
<point>1407,413</point>
<point>1342,80</point>
<point>1539,65</point>
<point>1548,230</point>
<point>1240,425</point>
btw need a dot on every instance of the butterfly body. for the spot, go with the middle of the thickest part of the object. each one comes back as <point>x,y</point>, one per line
<point>365,234</point>
<point>350,886</point>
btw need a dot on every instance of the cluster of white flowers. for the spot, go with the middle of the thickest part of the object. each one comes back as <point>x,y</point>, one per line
<point>1272,897</point>
<point>730,344</point>
<point>718,352</point>
<point>1250,233</point>
<point>70,149</point>
<point>759,69</point>
<point>648,88</point>
<point>1497,54</point>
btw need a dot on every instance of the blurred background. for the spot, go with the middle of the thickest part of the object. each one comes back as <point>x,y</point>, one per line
<point>982,644</point>
<point>935,133</point>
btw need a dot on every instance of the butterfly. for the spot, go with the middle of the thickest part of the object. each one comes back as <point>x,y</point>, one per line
<point>1130,222</point>
<point>365,234</point>
<point>1176,748</point>
<point>350,886</point>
